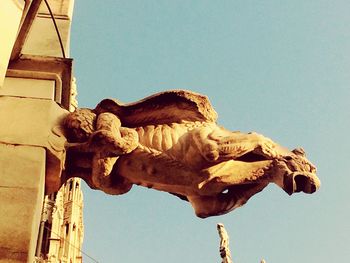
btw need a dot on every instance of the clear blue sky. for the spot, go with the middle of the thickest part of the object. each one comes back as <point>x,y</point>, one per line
<point>281,68</point>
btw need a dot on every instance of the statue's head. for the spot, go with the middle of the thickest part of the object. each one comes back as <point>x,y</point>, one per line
<point>79,125</point>
<point>295,173</point>
<point>230,184</point>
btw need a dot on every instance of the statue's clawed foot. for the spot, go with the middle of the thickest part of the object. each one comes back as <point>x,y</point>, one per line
<point>105,177</point>
<point>222,203</point>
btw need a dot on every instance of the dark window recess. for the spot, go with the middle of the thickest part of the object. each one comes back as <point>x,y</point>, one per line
<point>67,229</point>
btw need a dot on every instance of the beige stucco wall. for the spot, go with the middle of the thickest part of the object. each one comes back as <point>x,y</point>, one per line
<point>10,17</point>
<point>32,150</point>
<point>22,175</point>
<point>31,153</point>
<point>48,44</point>
<point>28,87</point>
<point>35,122</point>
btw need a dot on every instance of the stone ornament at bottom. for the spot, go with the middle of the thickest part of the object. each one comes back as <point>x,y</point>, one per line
<point>171,142</point>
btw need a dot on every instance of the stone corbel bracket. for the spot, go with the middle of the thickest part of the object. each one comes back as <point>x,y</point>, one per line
<point>36,122</point>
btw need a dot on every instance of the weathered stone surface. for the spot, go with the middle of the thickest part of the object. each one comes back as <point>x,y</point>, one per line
<point>224,248</point>
<point>171,142</point>
<point>10,18</point>
<point>22,175</point>
<point>24,87</point>
<point>35,122</point>
<point>32,156</point>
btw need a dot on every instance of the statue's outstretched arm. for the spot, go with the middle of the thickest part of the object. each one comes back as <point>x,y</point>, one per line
<point>110,139</point>
<point>220,144</point>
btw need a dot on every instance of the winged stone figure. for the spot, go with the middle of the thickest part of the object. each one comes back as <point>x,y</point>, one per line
<point>171,142</point>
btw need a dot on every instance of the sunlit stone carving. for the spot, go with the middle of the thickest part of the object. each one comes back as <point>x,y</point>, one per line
<point>170,142</point>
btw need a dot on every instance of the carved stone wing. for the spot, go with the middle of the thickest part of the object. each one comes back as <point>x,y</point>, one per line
<point>165,107</point>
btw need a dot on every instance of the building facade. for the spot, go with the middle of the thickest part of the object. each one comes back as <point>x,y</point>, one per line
<point>61,231</point>
<point>36,81</point>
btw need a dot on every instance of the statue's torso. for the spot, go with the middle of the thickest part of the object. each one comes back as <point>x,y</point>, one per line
<point>174,140</point>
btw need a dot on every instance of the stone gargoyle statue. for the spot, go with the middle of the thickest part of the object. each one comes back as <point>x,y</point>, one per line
<point>171,142</point>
